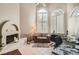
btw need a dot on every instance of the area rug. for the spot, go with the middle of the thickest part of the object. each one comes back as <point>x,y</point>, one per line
<point>14,52</point>
<point>42,45</point>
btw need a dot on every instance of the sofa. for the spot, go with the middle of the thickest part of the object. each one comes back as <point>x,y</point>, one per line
<point>41,38</point>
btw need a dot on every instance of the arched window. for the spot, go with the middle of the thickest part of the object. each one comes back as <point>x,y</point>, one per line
<point>57,21</point>
<point>75,19</point>
<point>42,20</point>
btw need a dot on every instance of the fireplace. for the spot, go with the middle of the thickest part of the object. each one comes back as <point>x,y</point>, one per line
<point>11,38</point>
<point>9,32</point>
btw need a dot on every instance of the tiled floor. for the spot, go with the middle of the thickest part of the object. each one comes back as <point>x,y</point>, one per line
<point>26,49</point>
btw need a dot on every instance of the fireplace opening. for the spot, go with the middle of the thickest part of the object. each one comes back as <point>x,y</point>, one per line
<point>11,38</point>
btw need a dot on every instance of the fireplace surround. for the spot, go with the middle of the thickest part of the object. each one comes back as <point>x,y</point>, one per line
<point>9,32</point>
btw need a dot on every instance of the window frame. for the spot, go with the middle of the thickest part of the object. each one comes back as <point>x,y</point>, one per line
<point>41,19</point>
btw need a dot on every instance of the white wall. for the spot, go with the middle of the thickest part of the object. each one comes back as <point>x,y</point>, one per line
<point>27,17</point>
<point>10,12</point>
<point>26,13</point>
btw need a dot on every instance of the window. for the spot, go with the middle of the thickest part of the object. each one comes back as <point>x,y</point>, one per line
<point>75,21</point>
<point>57,21</point>
<point>42,21</point>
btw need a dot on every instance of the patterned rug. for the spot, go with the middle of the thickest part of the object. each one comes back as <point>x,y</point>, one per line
<point>14,52</point>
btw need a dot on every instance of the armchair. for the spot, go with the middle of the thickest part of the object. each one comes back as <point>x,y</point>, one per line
<point>57,40</point>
